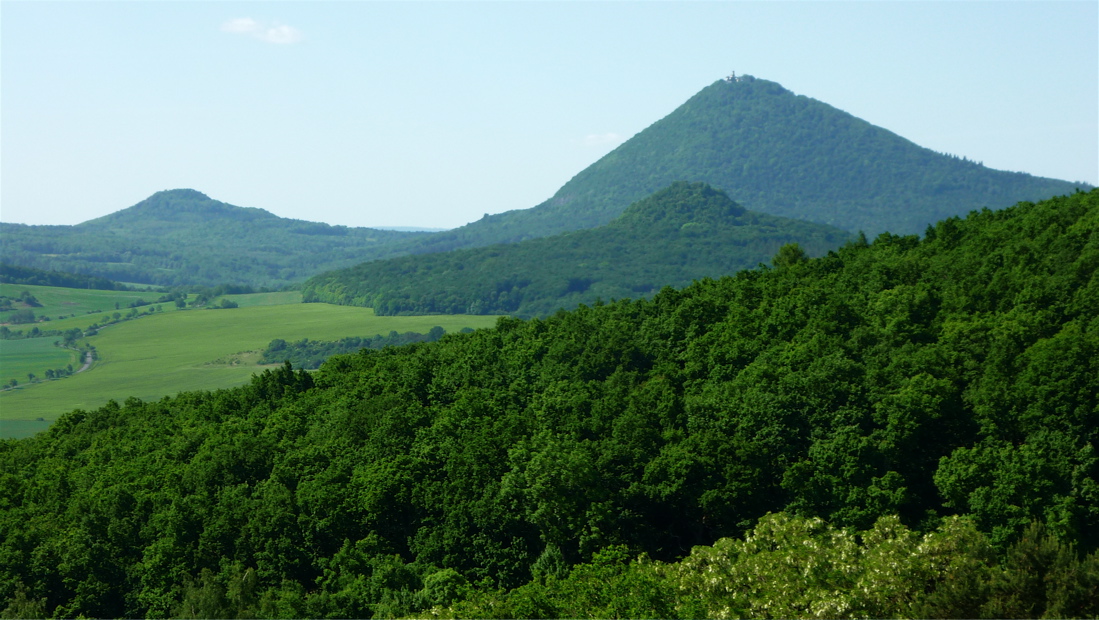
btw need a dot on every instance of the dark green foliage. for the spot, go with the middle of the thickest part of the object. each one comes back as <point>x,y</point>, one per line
<point>310,354</point>
<point>612,585</point>
<point>886,387</point>
<point>1042,577</point>
<point>679,234</point>
<point>25,315</point>
<point>773,152</point>
<point>25,275</point>
<point>182,237</point>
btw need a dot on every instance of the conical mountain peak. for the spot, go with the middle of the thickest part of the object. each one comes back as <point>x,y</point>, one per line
<point>179,205</point>
<point>773,152</point>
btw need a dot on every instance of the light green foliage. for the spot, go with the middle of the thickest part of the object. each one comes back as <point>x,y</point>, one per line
<point>791,567</point>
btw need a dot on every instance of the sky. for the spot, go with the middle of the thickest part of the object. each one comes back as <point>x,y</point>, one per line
<point>431,114</point>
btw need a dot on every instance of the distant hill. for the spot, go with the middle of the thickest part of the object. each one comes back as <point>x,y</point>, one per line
<point>773,152</point>
<point>184,237</point>
<point>682,233</point>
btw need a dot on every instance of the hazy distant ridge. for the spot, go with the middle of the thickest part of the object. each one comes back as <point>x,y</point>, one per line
<point>183,236</point>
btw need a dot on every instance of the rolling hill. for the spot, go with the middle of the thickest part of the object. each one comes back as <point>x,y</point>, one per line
<point>679,234</point>
<point>774,152</point>
<point>183,237</point>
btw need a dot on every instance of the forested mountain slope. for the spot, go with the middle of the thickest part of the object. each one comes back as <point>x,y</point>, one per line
<point>183,237</point>
<point>956,374</point>
<point>773,152</point>
<point>682,233</point>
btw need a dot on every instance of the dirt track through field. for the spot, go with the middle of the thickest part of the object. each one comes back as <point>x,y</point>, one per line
<point>87,362</point>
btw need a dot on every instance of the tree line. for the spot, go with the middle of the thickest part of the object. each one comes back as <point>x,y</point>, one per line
<point>310,354</point>
<point>12,274</point>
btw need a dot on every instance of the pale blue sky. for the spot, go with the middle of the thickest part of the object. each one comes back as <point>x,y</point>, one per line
<point>432,114</point>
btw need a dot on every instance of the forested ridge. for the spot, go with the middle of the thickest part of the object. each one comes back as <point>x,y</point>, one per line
<point>684,232</point>
<point>11,274</point>
<point>899,428</point>
<point>773,152</point>
<point>184,238</point>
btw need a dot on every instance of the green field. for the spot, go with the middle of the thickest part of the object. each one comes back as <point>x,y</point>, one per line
<point>92,306</point>
<point>32,355</point>
<point>169,352</point>
<point>264,299</point>
<point>57,301</point>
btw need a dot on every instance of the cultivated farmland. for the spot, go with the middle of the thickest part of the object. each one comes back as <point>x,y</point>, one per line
<point>58,301</point>
<point>32,356</point>
<point>169,352</point>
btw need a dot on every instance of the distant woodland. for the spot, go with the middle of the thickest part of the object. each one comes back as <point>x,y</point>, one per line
<point>684,232</point>
<point>11,274</point>
<point>901,427</point>
<point>184,238</point>
<point>310,354</point>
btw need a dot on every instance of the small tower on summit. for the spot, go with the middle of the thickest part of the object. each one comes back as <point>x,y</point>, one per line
<point>731,77</point>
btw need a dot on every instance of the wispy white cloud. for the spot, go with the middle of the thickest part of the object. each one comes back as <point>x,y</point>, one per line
<point>241,25</point>
<point>602,139</point>
<point>279,34</point>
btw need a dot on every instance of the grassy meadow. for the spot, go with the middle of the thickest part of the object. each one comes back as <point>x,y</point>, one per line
<point>57,302</point>
<point>264,299</point>
<point>32,355</point>
<point>169,352</point>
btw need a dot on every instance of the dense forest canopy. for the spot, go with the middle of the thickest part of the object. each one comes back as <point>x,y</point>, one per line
<point>886,387</point>
<point>184,238</point>
<point>684,232</point>
<point>773,152</point>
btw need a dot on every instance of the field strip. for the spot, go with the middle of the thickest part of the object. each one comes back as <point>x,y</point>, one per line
<point>166,353</point>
